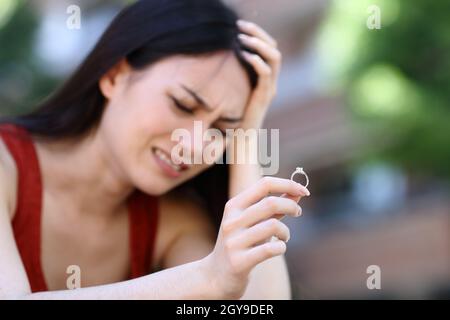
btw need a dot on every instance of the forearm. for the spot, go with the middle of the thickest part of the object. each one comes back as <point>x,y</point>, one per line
<point>269,281</point>
<point>188,281</point>
<point>242,175</point>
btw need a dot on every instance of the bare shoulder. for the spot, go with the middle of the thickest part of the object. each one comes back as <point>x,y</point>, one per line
<point>182,219</point>
<point>8,179</point>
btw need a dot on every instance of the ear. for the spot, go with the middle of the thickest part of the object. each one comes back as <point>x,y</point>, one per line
<point>111,81</point>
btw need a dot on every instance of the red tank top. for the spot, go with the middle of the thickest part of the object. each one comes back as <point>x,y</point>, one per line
<point>142,213</point>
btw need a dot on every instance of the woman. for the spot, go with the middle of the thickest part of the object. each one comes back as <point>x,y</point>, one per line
<point>87,179</point>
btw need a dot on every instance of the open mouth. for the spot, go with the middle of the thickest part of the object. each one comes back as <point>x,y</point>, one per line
<point>166,162</point>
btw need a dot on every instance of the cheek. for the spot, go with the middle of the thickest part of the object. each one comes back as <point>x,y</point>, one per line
<point>156,117</point>
<point>127,134</point>
<point>143,122</point>
<point>130,129</point>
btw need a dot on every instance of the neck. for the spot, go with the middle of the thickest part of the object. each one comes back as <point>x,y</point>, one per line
<point>83,174</point>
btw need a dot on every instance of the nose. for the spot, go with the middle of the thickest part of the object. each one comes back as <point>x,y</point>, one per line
<point>194,145</point>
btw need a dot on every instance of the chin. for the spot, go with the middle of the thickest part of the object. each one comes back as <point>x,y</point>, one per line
<point>156,187</point>
<point>155,184</point>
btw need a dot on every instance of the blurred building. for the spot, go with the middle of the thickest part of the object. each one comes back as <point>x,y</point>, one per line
<point>374,215</point>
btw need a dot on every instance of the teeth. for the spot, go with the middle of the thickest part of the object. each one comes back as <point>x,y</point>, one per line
<point>167,160</point>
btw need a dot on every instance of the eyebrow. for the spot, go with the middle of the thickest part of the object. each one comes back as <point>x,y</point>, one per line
<point>202,103</point>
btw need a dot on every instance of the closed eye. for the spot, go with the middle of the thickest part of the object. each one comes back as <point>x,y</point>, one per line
<point>181,106</point>
<point>187,110</point>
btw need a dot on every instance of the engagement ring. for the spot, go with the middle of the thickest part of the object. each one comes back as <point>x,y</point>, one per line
<point>300,171</point>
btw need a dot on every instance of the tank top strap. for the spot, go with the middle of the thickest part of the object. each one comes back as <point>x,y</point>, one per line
<point>143,219</point>
<point>142,213</point>
<point>27,219</point>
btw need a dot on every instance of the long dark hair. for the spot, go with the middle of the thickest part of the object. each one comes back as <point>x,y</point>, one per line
<point>143,33</point>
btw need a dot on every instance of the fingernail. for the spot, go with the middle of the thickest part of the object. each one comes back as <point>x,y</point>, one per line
<point>299,211</point>
<point>241,23</point>
<point>242,37</point>
<point>305,190</point>
<point>300,189</point>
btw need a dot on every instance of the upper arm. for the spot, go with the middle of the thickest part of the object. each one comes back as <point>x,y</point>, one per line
<point>194,235</point>
<point>13,278</point>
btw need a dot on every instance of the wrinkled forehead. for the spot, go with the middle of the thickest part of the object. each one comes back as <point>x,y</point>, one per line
<point>218,78</point>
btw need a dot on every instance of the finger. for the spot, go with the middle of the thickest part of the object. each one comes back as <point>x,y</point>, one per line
<point>293,198</point>
<point>262,68</point>
<point>255,30</point>
<point>267,208</point>
<point>263,252</point>
<point>264,187</point>
<point>265,76</point>
<point>268,53</point>
<point>296,199</point>
<point>261,232</point>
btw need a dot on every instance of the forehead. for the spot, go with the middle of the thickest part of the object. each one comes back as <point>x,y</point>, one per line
<point>218,78</point>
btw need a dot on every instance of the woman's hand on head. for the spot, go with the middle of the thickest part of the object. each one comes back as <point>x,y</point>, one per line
<point>267,64</point>
<point>250,220</point>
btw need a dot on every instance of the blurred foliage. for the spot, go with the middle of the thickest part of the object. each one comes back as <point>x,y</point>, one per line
<point>397,77</point>
<point>24,79</point>
<point>22,82</point>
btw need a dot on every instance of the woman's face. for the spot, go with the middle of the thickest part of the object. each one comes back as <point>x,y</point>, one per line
<point>145,107</point>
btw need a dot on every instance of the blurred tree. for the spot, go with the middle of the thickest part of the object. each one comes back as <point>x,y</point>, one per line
<point>22,84</point>
<point>397,77</point>
<point>24,81</point>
